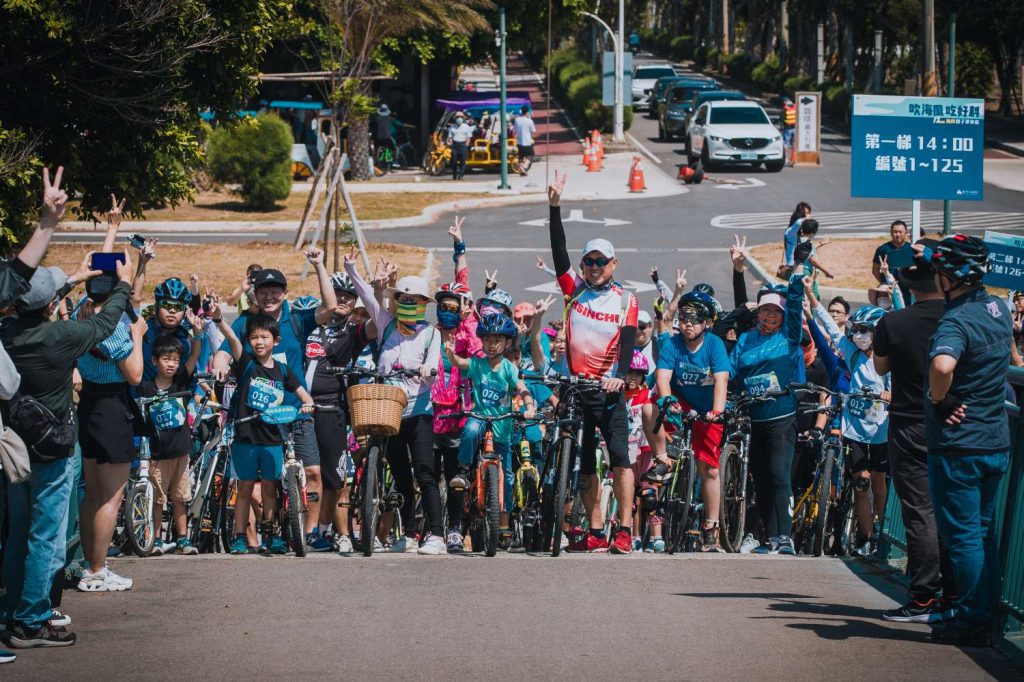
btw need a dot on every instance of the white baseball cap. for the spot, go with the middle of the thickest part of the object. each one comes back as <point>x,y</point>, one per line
<point>602,246</point>
<point>772,299</point>
<point>411,284</point>
<point>644,317</point>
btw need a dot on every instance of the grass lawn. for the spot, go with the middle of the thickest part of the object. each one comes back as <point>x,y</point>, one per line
<point>223,206</point>
<point>222,266</point>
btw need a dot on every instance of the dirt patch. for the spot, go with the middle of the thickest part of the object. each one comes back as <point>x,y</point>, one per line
<point>222,266</point>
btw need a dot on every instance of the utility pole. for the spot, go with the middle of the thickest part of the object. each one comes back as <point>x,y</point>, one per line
<point>783,34</point>
<point>821,52</point>
<point>618,134</point>
<point>725,33</point>
<point>879,72</point>
<point>929,80</point>
<point>947,205</point>
<point>503,106</point>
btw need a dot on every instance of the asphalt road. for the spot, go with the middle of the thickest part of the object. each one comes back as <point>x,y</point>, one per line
<point>512,617</point>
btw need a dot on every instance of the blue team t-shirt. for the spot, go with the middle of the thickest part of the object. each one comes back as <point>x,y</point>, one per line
<point>492,392</point>
<point>693,372</point>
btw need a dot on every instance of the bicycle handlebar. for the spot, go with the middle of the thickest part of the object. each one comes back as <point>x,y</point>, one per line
<point>517,416</point>
<point>558,380</point>
<point>259,413</point>
<point>374,374</point>
<point>143,402</point>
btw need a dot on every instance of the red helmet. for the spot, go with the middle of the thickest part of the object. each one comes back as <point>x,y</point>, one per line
<point>456,290</point>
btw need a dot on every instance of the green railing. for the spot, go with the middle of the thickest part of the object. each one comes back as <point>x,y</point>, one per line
<point>1009,523</point>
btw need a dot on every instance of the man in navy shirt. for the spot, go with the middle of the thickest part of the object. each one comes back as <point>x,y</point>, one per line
<point>967,430</point>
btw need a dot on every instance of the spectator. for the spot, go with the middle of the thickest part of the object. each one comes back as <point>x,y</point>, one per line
<point>839,310</point>
<point>14,279</point>
<point>459,134</point>
<point>901,347</point>
<point>525,130</point>
<point>967,431</point>
<point>897,244</point>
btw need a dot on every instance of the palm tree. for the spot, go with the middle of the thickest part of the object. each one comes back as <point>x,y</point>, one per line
<point>363,25</point>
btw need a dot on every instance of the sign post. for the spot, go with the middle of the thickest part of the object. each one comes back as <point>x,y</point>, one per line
<point>808,128</point>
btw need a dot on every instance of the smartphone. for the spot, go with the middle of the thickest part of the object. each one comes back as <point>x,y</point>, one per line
<point>107,262</point>
<point>900,258</point>
<point>137,241</point>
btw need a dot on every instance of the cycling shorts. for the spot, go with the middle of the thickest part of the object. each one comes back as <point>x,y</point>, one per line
<point>706,439</point>
<point>607,413</point>
<point>257,462</point>
<point>304,436</point>
<point>331,445</point>
<point>867,456</point>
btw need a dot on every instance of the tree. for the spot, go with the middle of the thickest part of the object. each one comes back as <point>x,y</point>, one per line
<point>364,26</point>
<point>112,89</point>
<point>256,154</point>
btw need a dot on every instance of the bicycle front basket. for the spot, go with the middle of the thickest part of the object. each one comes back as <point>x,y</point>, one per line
<point>376,409</point>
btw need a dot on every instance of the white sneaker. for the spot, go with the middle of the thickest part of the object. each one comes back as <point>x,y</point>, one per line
<point>378,546</point>
<point>565,541</point>
<point>749,544</point>
<point>456,543</point>
<point>433,545</point>
<point>344,545</point>
<point>59,620</point>
<point>103,580</point>
<point>405,544</point>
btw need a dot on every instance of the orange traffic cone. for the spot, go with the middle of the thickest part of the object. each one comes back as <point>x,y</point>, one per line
<point>595,160</point>
<point>636,177</point>
<point>690,175</point>
<point>600,145</point>
<point>586,152</point>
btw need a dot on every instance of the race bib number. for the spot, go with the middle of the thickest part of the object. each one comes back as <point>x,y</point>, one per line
<point>492,395</point>
<point>866,409</point>
<point>263,394</point>
<point>761,384</point>
<point>691,375</point>
<point>167,415</point>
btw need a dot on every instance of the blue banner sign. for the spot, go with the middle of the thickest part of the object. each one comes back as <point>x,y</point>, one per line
<point>917,148</point>
<point>1005,261</point>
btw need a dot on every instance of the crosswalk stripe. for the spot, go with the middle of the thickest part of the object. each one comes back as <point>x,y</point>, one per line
<point>872,221</point>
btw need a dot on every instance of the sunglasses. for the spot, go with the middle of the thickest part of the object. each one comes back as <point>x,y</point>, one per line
<point>861,329</point>
<point>599,262</point>
<point>643,326</point>
<point>173,306</point>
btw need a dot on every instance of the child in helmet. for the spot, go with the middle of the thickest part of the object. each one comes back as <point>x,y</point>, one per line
<point>641,421</point>
<point>494,380</point>
<point>173,298</point>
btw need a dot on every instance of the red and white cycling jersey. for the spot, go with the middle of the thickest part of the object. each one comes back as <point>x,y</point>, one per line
<point>637,440</point>
<point>593,322</point>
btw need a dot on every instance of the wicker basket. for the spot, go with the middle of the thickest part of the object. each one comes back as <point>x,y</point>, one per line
<point>376,409</point>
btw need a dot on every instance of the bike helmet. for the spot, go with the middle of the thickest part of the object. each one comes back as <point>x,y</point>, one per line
<point>961,258</point>
<point>866,316</point>
<point>502,325</point>
<point>705,288</point>
<point>172,289</point>
<point>639,363</point>
<point>456,290</point>
<point>499,297</point>
<point>342,282</point>
<point>700,302</point>
<point>306,303</point>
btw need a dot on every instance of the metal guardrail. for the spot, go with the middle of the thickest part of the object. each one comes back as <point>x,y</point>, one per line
<point>1009,523</point>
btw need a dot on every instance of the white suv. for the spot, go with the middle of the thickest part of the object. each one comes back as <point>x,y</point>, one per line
<point>644,76</point>
<point>729,132</point>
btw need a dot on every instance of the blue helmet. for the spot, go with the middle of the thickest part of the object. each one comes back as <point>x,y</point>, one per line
<point>501,325</point>
<point>172,289</point>
<point>499,297</point>
<point>866,316</point>
<point>342,282</point>
<point>306,303</point>
<point>701,301</point>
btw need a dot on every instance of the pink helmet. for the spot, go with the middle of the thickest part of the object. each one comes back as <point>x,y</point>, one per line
<point>639,362</point>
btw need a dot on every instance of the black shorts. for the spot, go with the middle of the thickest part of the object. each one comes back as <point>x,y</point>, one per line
<point>607,413</point>
<point>331,443</point>
<point>105,425</point>
<point>525,151</point>
<point>867,457</point>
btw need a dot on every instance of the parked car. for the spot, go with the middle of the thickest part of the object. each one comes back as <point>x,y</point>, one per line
<point>662,85</point>
<point>729,132</point>
<point>644,77</point>
<point>701,96</point>
<point>673,113</point>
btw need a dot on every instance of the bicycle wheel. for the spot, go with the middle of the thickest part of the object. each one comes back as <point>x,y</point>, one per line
<point>139,518</point>
<point>823,500</point>
<point>492,512</point>
<point>679,504</point>
<point>734,503</point>
<point>528,514</point>
<point>560,497</point>
<point>370,509</point>
<point>296,515</point>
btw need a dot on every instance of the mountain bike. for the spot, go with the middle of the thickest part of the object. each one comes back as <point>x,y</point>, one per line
<point>209,517</point>
<point>737,497</point>
<point>165,412</point>
<point>526,495</point>
<point>677,497</point>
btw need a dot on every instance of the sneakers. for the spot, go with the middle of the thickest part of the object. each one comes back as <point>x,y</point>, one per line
<point>786,546</point>
<point>749,544</point>
<point>455,542</point>
<point>17,636</point>
<point>638,545</point>
<point>344,544</point>
<point>591,543</point>
<point>658,544</point>
<point>239,545</point>
<point>103,580</point>
<point>709,539</point>
<point>7,656</point>
<point>405,544</point>
<point>865,548</point>
<point>957,635</point>
<point>58,619</point>
<point>317,542</point>
<point>433,545</point>
<point>183,546</point>
<point>378,546</point>
<point>914,611</point>
<point>622,544</point>
<point>657,473</point>
<point>771,546</point>
<point>278,545</point>
<point>160,548</point>
<point>460,481</point>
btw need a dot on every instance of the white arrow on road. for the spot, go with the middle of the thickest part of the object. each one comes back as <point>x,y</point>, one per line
<point>576,216</point>
<point>750,182</point>
<point>553,288</point>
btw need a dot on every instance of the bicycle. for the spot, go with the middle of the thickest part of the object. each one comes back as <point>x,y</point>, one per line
<point>678,500</point>
<point>526,497</point>
<point>139,518</point>
<point>209,517</point>
<point>737,497</point>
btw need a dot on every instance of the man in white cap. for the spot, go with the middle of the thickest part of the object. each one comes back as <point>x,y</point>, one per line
<point>601,330</point>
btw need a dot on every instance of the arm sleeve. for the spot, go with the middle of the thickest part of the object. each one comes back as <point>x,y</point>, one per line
<point>433,354</point>
<point>559,253</point>
<point>739,289</point>
<point>789,240</point>
<point>830,360</point>
<point>794,310</point>
<point>664,290</point>
<point>667,357</point>
<point>80,335</point>
<point>627,337</point>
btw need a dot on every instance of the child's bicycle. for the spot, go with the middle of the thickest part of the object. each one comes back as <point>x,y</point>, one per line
<point>208,517</point>
<point>525,515</point>
<point>166,413</point>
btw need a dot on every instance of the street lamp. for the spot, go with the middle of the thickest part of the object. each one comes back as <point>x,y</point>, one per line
<point>617,134</point>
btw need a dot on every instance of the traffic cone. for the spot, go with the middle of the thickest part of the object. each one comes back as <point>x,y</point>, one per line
<point>636,177</point>
<point>595,161</point>
<point>600,145</point>
<point>586,152</point>
<point>690,175</point>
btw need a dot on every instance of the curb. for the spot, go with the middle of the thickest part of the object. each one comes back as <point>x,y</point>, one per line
<point>1004,147</point>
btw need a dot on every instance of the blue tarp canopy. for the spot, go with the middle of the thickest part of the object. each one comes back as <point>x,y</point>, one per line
<point>287,104</point>
<point>483,100</point>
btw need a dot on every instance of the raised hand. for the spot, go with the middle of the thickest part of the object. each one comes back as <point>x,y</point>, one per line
<point>55,200</point>
<point>315,256</point>
<point>680,280</point>
<point>540,263</point>
<point>738,253</point>
<point>654,274</point>
<point>352,256</point>
<point>124,270</point>
<point>808,286</point>
<point>213,310</point>
<point>456,230</point>
<point>883,267</point>
<point>193,281</point>
<point>556,187</point>
<point>545,304</point>
<point>84,272</point>
<point>114,214</point>
<point>491,280</point>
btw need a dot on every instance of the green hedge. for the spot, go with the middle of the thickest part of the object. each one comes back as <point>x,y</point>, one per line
<point>578,86</point>
<point>795,84</point>
<point>738,66</point>
<point>663,43</point>
<point>256,154</point>
<point>681,48</point>
<point>837,101</point>
<point>765,75</point>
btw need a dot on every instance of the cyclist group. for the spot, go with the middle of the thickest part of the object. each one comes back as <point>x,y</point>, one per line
<point>640,385</point>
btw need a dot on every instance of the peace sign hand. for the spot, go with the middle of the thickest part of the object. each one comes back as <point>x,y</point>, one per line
<point>456,230</point>
<point>492,280</point>
<point>114,215</point>
<point>353,254</point>
<point>556,187</point>
<point>738,253</point>
<point>680,280</point>
<point>55,200</point>
<point>544,305</point>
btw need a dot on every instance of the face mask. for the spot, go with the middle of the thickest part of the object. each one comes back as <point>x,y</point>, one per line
<point>459,121</point>
<point>490,309</point>
<point>447,319</point>
<point>411,313</point>
<point>884,302</point>
<point>863,340</point>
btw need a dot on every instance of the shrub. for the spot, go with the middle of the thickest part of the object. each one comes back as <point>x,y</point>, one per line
<point>583,91</point>
<point>682,48</point>
<point>647,36</point>
<point>837,98</point>
<point>700,56</point>
<point>572,72</point>
<point>765,76</point>
<point>713,57</point>
<point>578,86</point>
<point>663,43</point>
<point>560,58</point>
<point>256,154</point>
<point>738,66</point>
<point>797,83</point>
<point>973,70</point>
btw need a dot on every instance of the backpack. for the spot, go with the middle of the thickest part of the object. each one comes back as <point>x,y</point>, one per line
<point>48,439</point>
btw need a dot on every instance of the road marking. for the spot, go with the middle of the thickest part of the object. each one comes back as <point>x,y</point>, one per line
<point>750,182</point>
<point>647,152</point>
<point>576,216</point>
<point>873,221</point>
<point>98,236</point>
<point>553,288</point>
